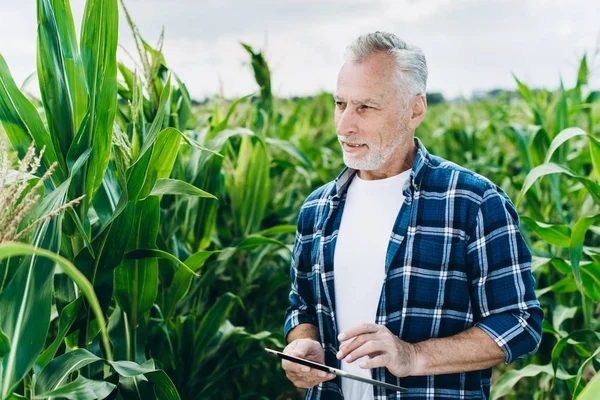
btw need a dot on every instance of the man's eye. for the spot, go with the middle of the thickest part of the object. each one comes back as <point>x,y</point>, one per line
<point>364,107</point>
<point>340,104</point>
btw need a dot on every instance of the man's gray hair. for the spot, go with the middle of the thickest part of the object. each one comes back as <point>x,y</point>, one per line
<point>411,65</point>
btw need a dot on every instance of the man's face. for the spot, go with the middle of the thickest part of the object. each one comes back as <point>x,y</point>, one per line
<point>370,113</point>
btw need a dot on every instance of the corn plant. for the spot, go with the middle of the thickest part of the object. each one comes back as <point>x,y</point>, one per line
<point>110,237</point>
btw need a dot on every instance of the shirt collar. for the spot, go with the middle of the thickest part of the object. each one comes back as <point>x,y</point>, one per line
<point>416,175</point>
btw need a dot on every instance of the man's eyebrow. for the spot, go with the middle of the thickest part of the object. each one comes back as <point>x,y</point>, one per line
<point>367,100</point>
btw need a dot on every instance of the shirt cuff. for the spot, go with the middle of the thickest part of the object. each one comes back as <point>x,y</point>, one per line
<point>294,318</point>
<point>509,334</point>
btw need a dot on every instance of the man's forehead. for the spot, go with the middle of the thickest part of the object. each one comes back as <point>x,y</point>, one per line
<point>362,90</point>
<point>375,64</point>
<point>367,79</point>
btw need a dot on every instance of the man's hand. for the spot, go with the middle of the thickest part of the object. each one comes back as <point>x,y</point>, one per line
<point>301,375</point>
<point>383,348</point>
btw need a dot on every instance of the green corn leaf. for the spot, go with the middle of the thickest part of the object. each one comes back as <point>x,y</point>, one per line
<point>60,73</point>
<point>160,164</point>
<point>137,172</point>
<point>582,74</point>
<point>590,280</point>
<point>110,244</point>
<point>108,195</point>
<point>15,249</point>
<point>157,164</point>
<point>592,389</point>
<point>565,285</point>
<point>583,367</point>
<point>561,265</point>
<point>135,388</point>
<point>135,374</point>
<point>556,235</point>
<point>521,140</point>
<point>136,281</point>
<point>26,302</point>
<point>141,254</point>
<point>128,77</point>
<point>276,230</point>
<point>130,369</point>
<point>576,244</point>
<point>221,125</point>
<point>572,338</point>
<point>66,319</point>
<point>4,345</point>
<point>570,133</point>
<point>564,136</point>
<point>593,97</point>
<point>81,388</point>
<point>206,173</point>
<point>506,383</point>
<point>23,124</point>
<point>56,373</point>
<point>248,186</point>
<point>163,386</point>
<point>99,55</point>
<point>184,105</point>
<point>183,279</point>
<point>52,379</point>
<point>211,322</point>
<point>257,240</point>
<point>291,149</point>
<point>547,169</point>
<point>538,145</point>
<point>562,112</point>
<point>157,123</point>
<point>561,314</point>
<point>248,243</point>
<point>177,187</point>
<point>262,75</point>
<point>538,262</point>
<point>525,93</point>
<point>547,328</point>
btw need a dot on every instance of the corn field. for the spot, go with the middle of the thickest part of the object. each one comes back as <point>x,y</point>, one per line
<point>145,241</point>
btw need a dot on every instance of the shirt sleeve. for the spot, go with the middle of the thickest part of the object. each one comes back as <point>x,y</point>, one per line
<point>502,285</point>
<point>301,309</point>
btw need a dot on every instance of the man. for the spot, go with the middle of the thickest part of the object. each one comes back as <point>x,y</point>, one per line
<point>406,268</point>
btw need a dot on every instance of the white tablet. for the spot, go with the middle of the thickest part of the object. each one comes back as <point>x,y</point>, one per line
<point>336,371</point>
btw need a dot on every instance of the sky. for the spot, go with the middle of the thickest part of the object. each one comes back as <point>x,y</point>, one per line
<point>470,45</point>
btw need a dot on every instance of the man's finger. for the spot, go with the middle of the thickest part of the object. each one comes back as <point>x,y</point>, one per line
<point>318,373</point>
<point>317,377</point>
<point>295,367</point>
<point>369,348</point>
<point>359,329</point>
<point>375,362</point>
<point>352,345</point>
<point>307,380</point>
<point>328,377</point>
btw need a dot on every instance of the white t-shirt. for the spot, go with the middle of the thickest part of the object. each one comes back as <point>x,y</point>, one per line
<point>359,261</point>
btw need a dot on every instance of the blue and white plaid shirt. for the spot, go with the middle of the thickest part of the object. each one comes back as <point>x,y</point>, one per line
<point>455,259</point>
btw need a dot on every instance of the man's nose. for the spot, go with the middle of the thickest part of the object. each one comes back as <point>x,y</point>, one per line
<point>346,122</point>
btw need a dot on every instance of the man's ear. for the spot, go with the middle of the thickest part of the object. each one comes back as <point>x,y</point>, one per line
<point>418,110</point>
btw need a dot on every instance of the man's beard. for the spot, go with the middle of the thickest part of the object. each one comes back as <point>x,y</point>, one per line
<point>376,156</point>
